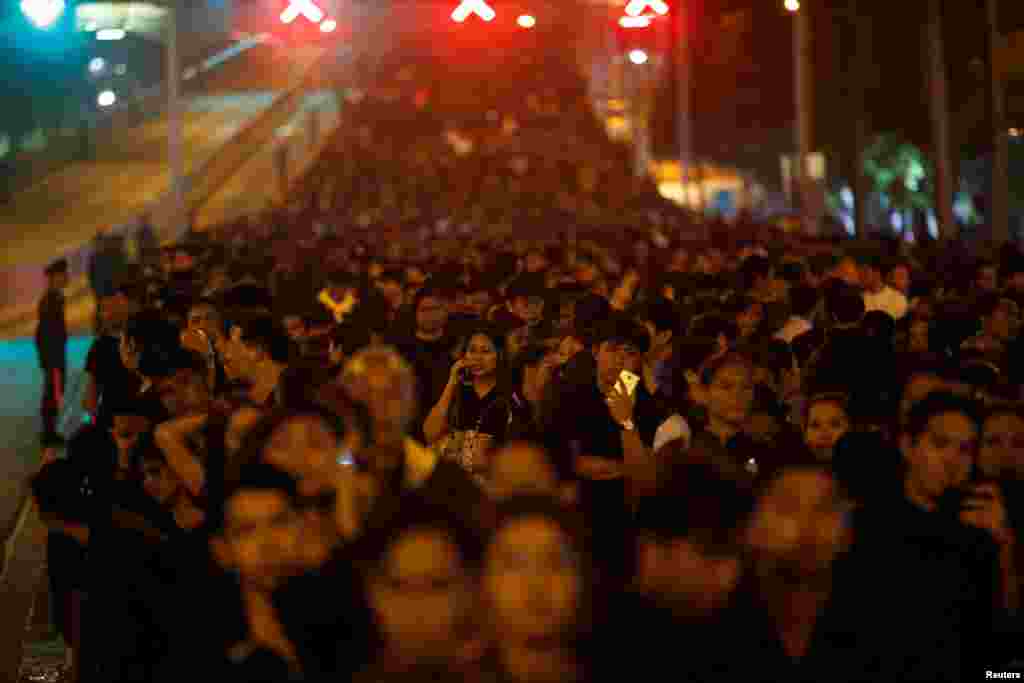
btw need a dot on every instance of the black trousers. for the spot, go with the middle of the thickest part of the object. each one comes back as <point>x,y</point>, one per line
<point>49,409</point>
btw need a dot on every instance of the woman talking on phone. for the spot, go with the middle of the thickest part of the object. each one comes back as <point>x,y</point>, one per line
<point>474,410</point>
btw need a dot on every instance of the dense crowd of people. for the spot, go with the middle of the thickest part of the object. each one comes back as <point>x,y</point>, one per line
<point>480,406</point>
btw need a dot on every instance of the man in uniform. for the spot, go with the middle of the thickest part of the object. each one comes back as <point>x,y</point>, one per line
<point>51,341</point>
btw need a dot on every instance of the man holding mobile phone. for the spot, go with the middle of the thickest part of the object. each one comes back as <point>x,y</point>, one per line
<point>608,432</point>
<point>945,547</point>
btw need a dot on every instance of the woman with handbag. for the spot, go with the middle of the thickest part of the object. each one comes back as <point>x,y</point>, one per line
<point>474,410</point>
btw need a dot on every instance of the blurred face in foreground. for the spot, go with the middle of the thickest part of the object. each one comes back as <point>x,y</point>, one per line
<point>521,469</point>
<point>798,528</point>
<point>689,574</point>
<point>532,582</point>
<point>261,537</point>
<point>421,595</point>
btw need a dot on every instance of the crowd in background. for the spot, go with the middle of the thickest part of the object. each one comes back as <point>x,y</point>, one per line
<point>480,405</point>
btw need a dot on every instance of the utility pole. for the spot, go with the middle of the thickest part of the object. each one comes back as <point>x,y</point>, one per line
<point>684,110</point>
<point>938,106</point>
<point>999,218</point>
<point>175,151</point>
<point>803,68</point>
<point>862,30</point>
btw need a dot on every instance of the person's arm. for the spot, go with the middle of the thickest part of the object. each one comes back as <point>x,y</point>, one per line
<point>170,437</point>
<point>435,427</point>
<point>636,466</point>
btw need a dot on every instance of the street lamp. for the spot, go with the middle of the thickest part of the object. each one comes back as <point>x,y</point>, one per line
<point>42,13</point>
<point>106,98</point>
<point>638,57</point>
<point>526,21</point>
<point>792,5</point>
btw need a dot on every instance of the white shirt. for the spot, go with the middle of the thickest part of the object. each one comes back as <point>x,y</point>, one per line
<point>674,428</point>
<point>887,300</point>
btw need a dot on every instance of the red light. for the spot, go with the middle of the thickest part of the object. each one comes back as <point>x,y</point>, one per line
<point>477,7</point>
<point>637,7</point>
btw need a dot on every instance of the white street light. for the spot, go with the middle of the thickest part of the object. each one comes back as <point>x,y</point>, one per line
<point>111,34</point>
<point>638,57</point>
<point>106,98</point>
<point>42,13</point>
<point>328,26</point>
<point>97,65</point>
<point>526,21</point>
<point>793,5</point>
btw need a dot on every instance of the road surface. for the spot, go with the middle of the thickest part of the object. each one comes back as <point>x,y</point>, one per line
<point>65,210</point>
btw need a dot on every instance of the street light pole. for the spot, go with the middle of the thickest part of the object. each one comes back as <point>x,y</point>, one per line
<point>802,65</point>
<point>999,220</point>
<point>683,109</point>
<point>175,151</point>
<point>938,105</point>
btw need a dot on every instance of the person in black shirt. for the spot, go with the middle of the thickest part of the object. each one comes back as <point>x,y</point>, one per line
<point>606,434</point>
<point>428,350</point>
<point>474,410</point>
<point>51,341</point>
<point>689,550</point>
<point>946,538</point>
<point>103,363</point>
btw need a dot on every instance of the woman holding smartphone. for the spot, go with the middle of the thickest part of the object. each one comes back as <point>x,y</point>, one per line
<point>474,411</point>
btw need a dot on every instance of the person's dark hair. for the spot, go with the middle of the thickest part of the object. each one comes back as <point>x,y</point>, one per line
<point>752,268</point>
<point>990,303</point>
<point>869,258</point>
<point>532,354</point>
<point>149,327</point>
<point>662,314</point>
<point>264,333</point>
<point>802,301</point>
<point>496,333</point>
<point>774,355</point>
<point>792,271</point>
<point>715,365</point>
<point>620,328</point>
<point>867,479</point>
<point>411,516</point>
<point>164,358</point>
<point>712,326</point>
<point>694,501</point>
<point>879,325</point>
<point>525,286</point>
<point>935,404</point>
<point>589,310</point>
<point>845,304</point>
<point>428,291</point>
<point>393,275</point>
